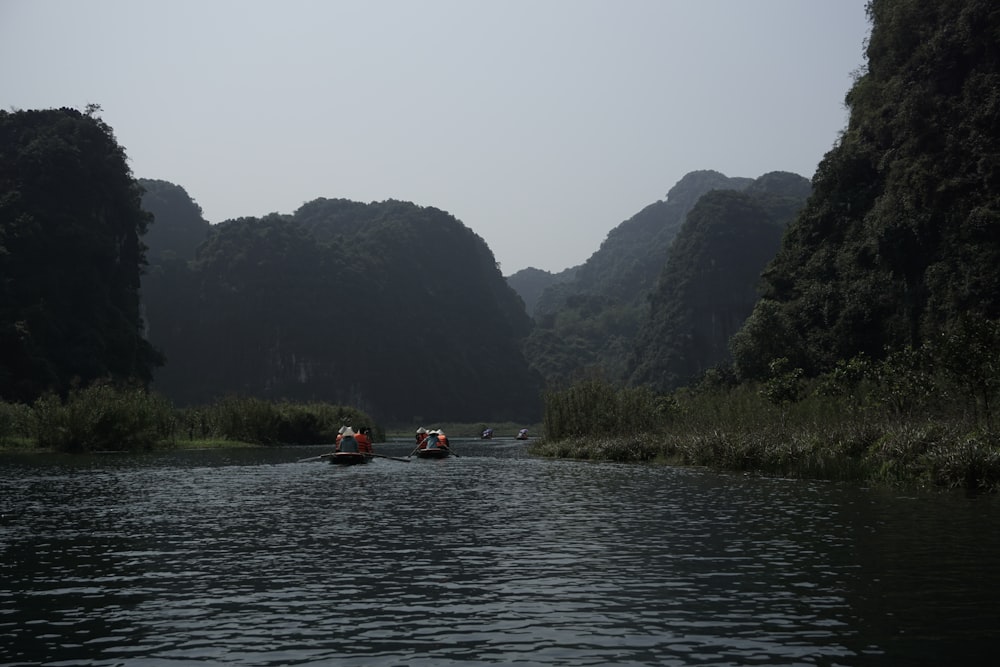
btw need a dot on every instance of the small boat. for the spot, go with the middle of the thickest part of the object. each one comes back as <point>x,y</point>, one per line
<point>433,453</point>
<point>522,434</point>
<point>435,445</point>
<point>352,448</point>
<point>349,458</point>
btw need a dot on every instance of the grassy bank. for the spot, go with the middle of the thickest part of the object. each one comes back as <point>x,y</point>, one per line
<point>742,428</point>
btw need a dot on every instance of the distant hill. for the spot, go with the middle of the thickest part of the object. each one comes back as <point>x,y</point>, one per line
<point>588,324</point>
<point>710,283</point>
<point>393,308</point>
<point>178,226</point>
<point>530,283</point>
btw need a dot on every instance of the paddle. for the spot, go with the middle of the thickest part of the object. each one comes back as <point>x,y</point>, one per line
<point>315,458</point>
<point>391,458</point>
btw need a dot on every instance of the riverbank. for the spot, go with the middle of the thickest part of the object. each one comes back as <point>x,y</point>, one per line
<point>886,433</point>
<point>931,454</point>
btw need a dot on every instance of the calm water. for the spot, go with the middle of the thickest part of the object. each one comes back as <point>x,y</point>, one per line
<point>250,557</point>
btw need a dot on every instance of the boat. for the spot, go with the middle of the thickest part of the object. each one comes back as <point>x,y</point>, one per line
<point>433,453</point>
<point>434,446</point>
<point>522,434</point>
<point>349,458</point>
<point>352,448</point>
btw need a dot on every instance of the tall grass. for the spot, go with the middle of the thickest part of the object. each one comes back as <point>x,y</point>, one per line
<point>103,417</point>
<point>899,438</point>
<point>257,421</point>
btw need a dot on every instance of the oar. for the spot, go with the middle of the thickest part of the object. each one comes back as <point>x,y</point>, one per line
<point>314,458</point>
<point>391,458</point>
<point>452,452</point>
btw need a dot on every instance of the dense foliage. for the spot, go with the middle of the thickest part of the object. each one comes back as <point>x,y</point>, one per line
<point>394,308</point>
<point>70,256</point>
<point>902,233</point>
<point>103,417</point>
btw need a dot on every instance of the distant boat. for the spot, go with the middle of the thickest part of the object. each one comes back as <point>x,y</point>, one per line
<point>487,434</point>
<point>522,434</point>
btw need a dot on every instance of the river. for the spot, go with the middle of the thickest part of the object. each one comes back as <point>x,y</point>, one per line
<point>254,557</point>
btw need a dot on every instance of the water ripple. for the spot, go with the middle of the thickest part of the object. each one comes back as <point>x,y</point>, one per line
<point>251,558</point>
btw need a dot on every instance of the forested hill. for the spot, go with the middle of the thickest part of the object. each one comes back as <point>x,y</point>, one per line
<point>70,256</point>
<point>531,283</point>
<point>393,308</point>
<point>900,241</point>
<point>588,324</point>
<point>710,282</point>
<point>179,227</point>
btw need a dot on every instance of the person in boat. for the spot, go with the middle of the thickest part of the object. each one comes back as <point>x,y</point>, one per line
<point>364,439</point>
<point>421,437</point>
<point>487,434</point>
<point>340,435</point>
<point>442,440</point>
<point>522,434</point>
<point>348,441</point>
<point>431,441</point>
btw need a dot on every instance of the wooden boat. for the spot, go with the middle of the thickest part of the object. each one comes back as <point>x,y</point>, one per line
<point>433,453</point>
<point>349,458</point>
<point>350,449</point>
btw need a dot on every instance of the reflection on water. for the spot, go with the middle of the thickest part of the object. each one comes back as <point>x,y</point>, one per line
<point>251,557</point>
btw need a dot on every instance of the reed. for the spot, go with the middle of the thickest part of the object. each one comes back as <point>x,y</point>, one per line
<point>104,417</point>
<point>257,421</point>
<point>15,425</point>
<point>886,434</point>
<point>101,417</point>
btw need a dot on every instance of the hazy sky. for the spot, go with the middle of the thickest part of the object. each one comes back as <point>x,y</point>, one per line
<point>540,124</point>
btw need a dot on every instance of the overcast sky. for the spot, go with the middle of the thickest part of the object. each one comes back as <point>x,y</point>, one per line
<point>540,124</point>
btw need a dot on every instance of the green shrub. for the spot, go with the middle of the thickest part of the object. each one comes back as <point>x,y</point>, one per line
<point>101,418</point>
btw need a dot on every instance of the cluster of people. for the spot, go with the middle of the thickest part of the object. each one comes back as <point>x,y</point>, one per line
<point>431,439</point>
<point>349,440</point>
